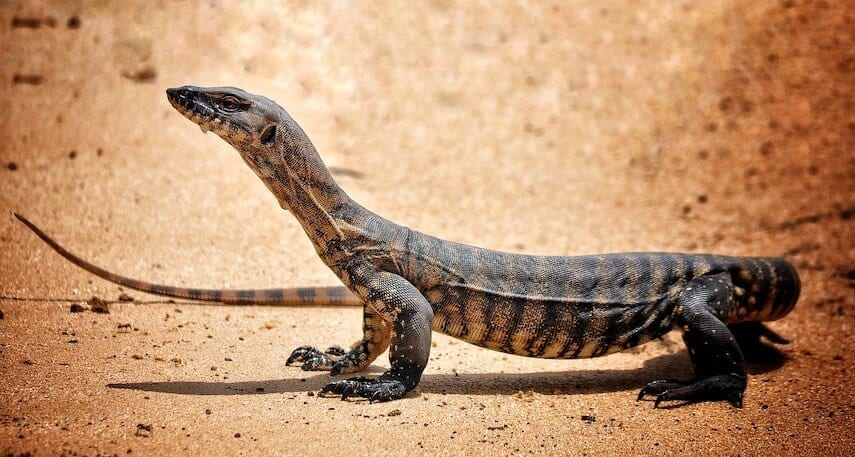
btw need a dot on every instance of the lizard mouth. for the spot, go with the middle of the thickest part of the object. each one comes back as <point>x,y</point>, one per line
<point>183,102</point>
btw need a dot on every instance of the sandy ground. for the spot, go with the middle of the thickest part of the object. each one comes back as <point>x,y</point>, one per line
<point>579,127</point>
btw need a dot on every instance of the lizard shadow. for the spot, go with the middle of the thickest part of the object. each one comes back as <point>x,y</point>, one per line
<point>675,365</point>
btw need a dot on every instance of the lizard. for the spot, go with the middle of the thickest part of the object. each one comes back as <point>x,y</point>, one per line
<point>411,283</point>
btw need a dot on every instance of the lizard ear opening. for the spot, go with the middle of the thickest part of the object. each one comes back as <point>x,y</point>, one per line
<point>268,135</point>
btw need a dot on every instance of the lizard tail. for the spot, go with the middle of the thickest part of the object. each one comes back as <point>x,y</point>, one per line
<point>283,297</point>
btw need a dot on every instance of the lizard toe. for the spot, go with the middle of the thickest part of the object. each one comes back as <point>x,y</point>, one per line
<point>730,387</point>
<point>300,354</point>
<point>656,388</point>
<point>312,359</point>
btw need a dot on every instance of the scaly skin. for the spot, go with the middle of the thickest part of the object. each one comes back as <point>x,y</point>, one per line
<point>537,306</point>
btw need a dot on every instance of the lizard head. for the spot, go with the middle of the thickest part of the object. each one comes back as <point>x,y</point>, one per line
<point>268,140</point>
<point>246,121</point>
<point>252,124</point>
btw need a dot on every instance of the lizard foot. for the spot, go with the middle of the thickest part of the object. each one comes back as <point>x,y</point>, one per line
<point>313,359</point>
<point>379,389</point>
<point>656,388</point>
<point>728,387</point>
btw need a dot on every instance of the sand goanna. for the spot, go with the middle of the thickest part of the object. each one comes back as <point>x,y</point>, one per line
<point>410,283</point>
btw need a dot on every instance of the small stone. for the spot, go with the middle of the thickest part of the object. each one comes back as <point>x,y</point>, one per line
<point>394,412</point>
<point>125,297</point>
<point>79,307</point>
<point>1,314</point>
<point>237,435</point>
<point>73,22</point>
<point>12,166</point>
<point>144,74</point>
<point>98,306</point>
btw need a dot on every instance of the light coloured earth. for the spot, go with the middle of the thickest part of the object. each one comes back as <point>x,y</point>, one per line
<point>567,128</point>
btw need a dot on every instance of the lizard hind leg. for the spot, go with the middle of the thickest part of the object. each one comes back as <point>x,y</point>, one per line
<point>715,353</point>
<point>376,334</point>
<point>757,343</point>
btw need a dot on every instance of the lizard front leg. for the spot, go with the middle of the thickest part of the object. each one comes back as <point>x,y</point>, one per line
<point>411,315</point>
<point>376,333</point>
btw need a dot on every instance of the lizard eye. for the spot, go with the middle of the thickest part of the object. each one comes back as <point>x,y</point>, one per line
<point>230,104</point>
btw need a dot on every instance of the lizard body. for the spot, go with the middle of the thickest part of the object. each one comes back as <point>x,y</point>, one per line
<point>539,306</point>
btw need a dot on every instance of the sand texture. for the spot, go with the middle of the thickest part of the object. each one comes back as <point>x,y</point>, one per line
<point>566,128</point>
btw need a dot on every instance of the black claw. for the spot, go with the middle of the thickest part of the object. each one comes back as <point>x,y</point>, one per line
<point>312,359</point>
<point>348,389</point>
<point>659,387</point>
<point>331,387</point>
<point>300,354</point>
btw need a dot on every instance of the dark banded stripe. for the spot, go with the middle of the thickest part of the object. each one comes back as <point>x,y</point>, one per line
<point>275,295</point>
<point>548,319</point>
<point>163,290</point>
<point>338,294</point>
<point>637,325</point>
<point>306,294</point>
<point>246,295</point>
<point>759,290</point>
<point>513,321</point>
<point>772,287</point>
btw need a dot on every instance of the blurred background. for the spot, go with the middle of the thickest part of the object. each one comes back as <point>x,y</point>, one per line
<point>541,127</point>
<point>562,127</point>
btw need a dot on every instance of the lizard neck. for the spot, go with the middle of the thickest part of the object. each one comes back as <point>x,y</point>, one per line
<point>303,184</point>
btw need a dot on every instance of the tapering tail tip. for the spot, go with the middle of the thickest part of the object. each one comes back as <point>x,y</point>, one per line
<point>25,221</point>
